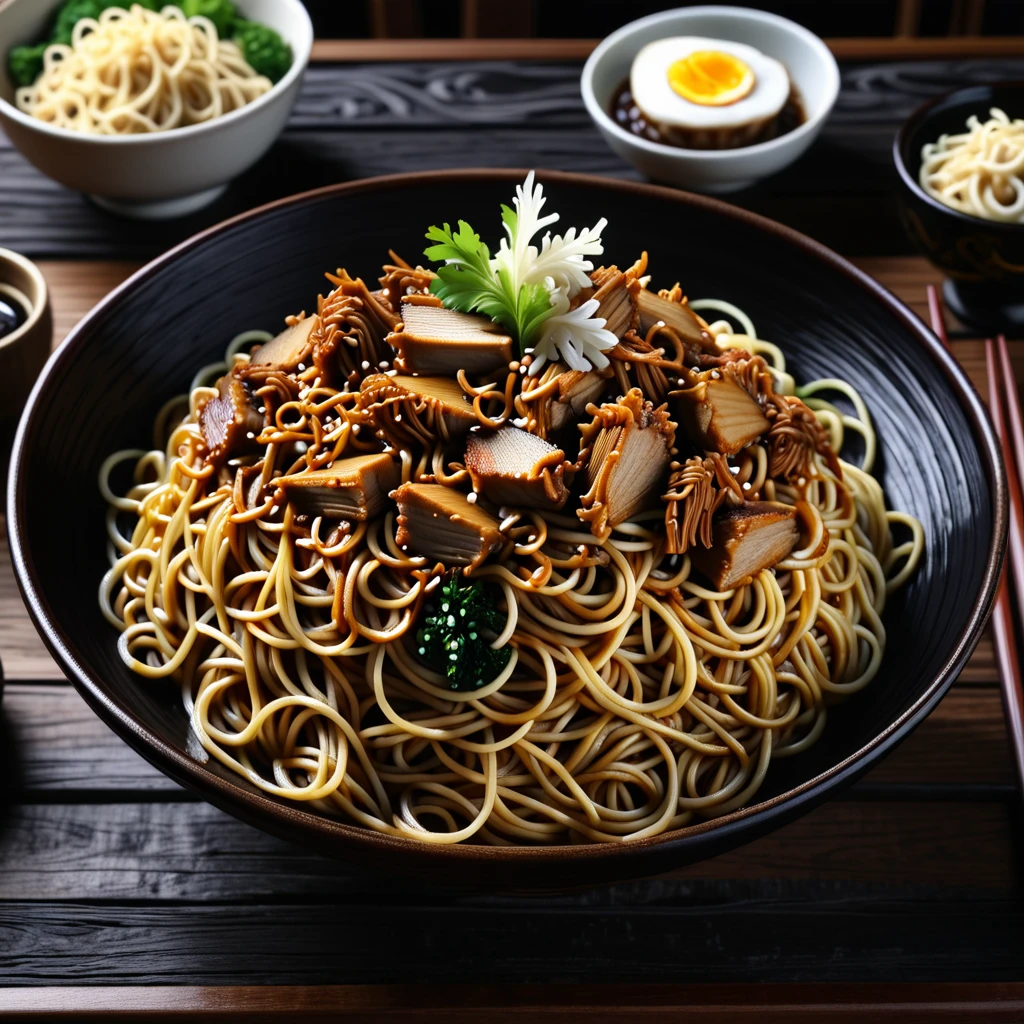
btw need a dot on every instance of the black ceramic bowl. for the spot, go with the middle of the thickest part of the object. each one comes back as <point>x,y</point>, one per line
<point>983,259</point>
<point>142,344</point>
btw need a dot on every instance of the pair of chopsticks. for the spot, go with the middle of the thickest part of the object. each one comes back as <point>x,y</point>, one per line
<point>1004,408</point>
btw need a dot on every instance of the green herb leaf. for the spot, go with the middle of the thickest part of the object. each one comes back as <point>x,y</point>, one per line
<point>263,49</point>
<point>466,281</point>
<point>455,639</point>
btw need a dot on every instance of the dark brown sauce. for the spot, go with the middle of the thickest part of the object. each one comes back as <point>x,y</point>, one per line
<point>628,115</point>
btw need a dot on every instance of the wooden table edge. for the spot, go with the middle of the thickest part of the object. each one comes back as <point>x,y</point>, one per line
<point>577,1002</point>
<point>846,49</point>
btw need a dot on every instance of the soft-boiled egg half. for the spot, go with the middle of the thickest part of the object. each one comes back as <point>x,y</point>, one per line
<point>688,84</point>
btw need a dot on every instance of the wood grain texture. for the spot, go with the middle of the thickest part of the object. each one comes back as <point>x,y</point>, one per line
<point>653,932</point>
<point>358,119</point>
<point>570,1004</point>
<point>845,49</point>
<point>181,850</point>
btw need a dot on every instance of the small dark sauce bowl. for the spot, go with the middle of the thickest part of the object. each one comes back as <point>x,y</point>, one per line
<point>983,260</point>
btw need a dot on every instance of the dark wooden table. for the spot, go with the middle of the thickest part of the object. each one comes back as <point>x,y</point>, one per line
<point>899,900</point>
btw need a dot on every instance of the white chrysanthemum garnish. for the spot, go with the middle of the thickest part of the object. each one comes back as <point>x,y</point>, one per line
<point>576,336</point>
<point>561,258</point>
<point>526,289</point>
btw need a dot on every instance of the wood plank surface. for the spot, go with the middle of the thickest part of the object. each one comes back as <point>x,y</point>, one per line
<point>647,932</point>
<point>356,119</point>
<point>144,850</point>
<point>571,1004</point>
<point>113,875</point>
<point>844,49</point>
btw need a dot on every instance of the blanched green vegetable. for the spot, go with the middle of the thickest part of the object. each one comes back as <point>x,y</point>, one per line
<point>73,11</point>
<point>25,63</point>
<point>263,49</point>
<point>454,639</point>
<point>222,13</point>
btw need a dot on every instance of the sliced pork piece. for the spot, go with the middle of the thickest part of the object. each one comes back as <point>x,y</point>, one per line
<point>746,539</point>
<point>627,451</point>
<point>654,309</point>
<point>229,423</point>
<point>558,397</point>
<point>576,390</point>
<point>416,410</point>
<point>718,415</point>
<point>510,466</point>
<point>616,294</point>
<point>352,488</point>
<point>433,339</point>
<point>294,345</point>
<point>443,525</point>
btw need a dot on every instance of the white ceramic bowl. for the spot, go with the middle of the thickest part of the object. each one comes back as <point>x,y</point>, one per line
<point>810,64</point>
<point>165,174</point>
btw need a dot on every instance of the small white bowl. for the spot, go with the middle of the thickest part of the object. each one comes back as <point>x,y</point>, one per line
<point>164,174</point>
<point>811,66</point>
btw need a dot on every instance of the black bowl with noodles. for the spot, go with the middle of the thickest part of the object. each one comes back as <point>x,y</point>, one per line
<point>983,259</point>
<point>142,344</point>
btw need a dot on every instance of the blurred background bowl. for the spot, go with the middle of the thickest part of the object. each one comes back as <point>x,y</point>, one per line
<point>983,259</point>
<point>811,66</point>
<point>163,174</point>
<point>24,351</point>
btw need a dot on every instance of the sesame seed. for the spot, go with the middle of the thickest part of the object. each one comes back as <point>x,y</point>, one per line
<point>471,497</point>
<point>302,366</point>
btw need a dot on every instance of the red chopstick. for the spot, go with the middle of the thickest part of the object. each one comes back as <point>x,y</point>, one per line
<point>1004,407</point>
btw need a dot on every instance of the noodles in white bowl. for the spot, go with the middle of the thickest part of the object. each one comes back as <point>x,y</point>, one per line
<point>981,171</point>
<point>139,71</point>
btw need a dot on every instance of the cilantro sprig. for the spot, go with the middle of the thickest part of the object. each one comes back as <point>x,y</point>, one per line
<point>467,282</point>
<point>453,639</point>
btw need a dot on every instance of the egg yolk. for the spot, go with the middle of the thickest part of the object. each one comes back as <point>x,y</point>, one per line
<point>711,78</point>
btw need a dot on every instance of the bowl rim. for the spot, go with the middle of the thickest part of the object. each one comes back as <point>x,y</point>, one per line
<point>600,116</point>
<point>298,66</point>
<point>918,118</point>
<point>35,314</point>
<point>355,843</point>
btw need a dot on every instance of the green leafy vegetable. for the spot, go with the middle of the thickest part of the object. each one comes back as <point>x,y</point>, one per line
<point>222,13</point>
<point>73,11</point>
<point>452,639</point>
<point>263,49</point>
<point>25,63</point>
<point>468,282</point>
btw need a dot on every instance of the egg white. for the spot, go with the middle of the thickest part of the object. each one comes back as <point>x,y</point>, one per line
<point>661,104</point>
